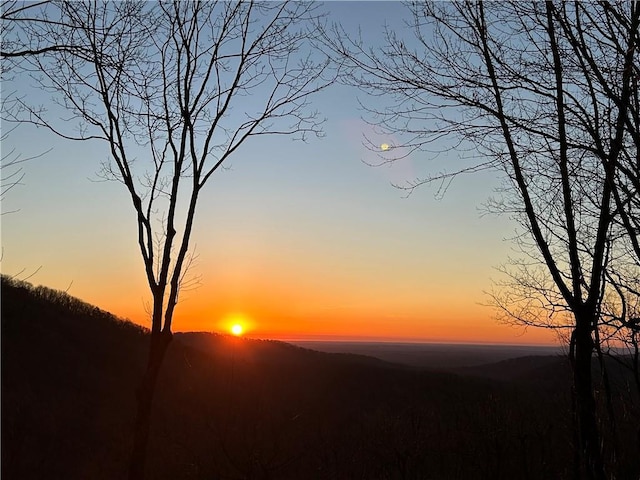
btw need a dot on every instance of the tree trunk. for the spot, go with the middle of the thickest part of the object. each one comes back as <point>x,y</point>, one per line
<point>158,347</point>
<point>585,408</point>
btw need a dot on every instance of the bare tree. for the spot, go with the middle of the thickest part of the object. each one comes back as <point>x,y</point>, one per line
<point>22,34</point>
<point>14,47</point>
<point>173,90</point>
<point>547,94</point>
<point>11,173</point>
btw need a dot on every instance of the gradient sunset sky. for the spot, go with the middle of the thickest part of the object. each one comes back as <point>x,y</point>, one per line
<point>301,240</point>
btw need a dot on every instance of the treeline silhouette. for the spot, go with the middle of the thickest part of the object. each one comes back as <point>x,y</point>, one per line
<point>232,408</point>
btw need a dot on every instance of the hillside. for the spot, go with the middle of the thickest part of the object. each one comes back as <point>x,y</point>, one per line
<point>231,408</point>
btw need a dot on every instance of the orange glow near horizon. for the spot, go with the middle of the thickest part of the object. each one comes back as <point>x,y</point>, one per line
<point>414,323</point>
<point>288,302</point>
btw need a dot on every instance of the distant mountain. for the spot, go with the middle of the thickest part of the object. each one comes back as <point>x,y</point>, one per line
<point>226,347</point>
<point>540,368</point>
<point>233,408</point>
<point>436,356</point>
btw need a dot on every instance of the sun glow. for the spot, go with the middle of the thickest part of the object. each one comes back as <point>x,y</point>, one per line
<point>236,324</point>
<point>237,329</point>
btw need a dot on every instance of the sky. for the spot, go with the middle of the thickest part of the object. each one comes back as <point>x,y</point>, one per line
<point>294,240</point>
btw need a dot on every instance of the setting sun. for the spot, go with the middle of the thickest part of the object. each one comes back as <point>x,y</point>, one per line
<point>237,329</point>
<point>236,323</point>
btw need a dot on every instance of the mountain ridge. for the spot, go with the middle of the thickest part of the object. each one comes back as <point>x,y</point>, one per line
<point>253,409</point>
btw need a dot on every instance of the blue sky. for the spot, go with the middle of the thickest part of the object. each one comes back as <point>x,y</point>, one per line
<point>308,225</point>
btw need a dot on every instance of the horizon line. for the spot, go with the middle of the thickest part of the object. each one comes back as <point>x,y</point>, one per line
<point>328,338</point>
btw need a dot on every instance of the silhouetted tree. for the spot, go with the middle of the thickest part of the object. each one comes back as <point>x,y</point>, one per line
<point>20,39</point>
<point>12,173</point>
<point>12,49</point>
<point>177,87</point>
<point>547,94</point>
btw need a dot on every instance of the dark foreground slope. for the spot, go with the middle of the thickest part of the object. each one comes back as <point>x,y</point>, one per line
<point>229,408</point>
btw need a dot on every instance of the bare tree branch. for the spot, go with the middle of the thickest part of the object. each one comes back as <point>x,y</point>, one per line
<point>546,94</point>
<point>166,88</point>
